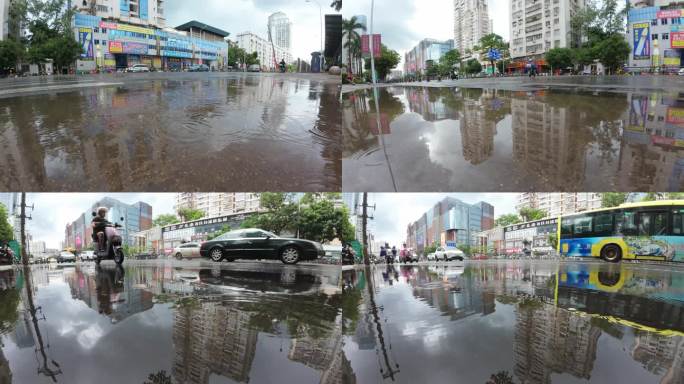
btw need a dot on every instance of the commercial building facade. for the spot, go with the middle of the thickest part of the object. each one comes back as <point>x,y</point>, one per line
<point>219,204</point>
<point>450,222</point>
<point>416,61</point>
<point>471,23</point>
<point>530,238</point>
<point>538,26</point>
<point>110,44</point>
<point>137,217</point>
<point>557,204</point>
<point>197,230</point>
<point>269,54</point>
<point>655,32</point>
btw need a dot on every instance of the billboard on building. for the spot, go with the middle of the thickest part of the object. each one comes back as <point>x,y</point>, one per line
<point>642,41</point>
<point>85,38</point>
<point>670,14</point>
<point>677,40</point>
<point>671,58</point>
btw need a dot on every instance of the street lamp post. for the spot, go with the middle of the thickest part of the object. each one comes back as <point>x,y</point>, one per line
<point>320,12</point>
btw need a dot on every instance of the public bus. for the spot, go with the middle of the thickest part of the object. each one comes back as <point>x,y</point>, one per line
<point>635,231</point>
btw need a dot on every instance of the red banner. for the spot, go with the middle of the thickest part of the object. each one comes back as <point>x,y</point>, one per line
<point>677,39</point>
<point>377,44</point>
<point>670,13</point>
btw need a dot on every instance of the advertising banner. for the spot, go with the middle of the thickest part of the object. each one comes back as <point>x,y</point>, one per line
<point>85,38</point>
<point>670,14</point>
<point>115,47</point>
<point>677,40</point>
<point>675,116</point>
<point>377,45</point>
<point>642,41</point>
<point>135,48</point>
<point>671,58</point>
<point>108,25</point>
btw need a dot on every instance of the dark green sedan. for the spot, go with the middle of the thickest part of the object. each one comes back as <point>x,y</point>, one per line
<point>254,243</point>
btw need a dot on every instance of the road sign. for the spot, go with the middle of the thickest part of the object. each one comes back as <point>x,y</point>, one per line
<point>494,54</point>
<point>451,244</point>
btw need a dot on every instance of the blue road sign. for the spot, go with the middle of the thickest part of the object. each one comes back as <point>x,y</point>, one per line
<point>494,54</point>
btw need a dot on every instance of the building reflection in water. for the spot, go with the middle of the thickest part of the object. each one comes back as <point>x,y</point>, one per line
<point>561,312</point>
<point>560,140</point>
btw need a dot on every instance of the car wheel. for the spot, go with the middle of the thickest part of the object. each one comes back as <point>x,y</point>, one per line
<point>179,256</point>
<point>459,258</point>
<point>216,254</point>
<point>611,253</point>
<point>290,255</point>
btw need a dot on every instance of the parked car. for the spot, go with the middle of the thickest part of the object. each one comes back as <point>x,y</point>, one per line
<point>449,254</point>
<point>187,251</point>
<point>66,257</point>
<point>681,72</point>
<point>431,256</point>
<point>198,68</point>
<point>254,68</point>
<point>254,243</point>
<point>138,68</point>
<point>87,256</point>
<point>145,256</point>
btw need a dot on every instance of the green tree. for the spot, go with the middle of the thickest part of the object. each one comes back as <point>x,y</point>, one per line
<point>349,29</point>
<point>473,66</point>
<point>491,41</point>
<point>321,221</point>
<point>189,214</point>
<point>430,249</point>
<point>236,55</point>
<point>11,51</point>
<point>165,219</point>
<point>559,58</point>
<point>336,4</point>
<point>386,63</point>
<point>6,233</point>
<point>508,219</point>
<point>252,59</point>
<point>449,61</point>
<point>613,199</point>
<point>531,214</point>
<point>553,240</point>
<point>224,229</point>
<point>613,51</point>
<point>465,248</point>
<point>281,213</point>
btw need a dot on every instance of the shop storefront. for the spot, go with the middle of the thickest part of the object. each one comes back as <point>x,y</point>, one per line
<point>530,239</point>
<point>198,230</point>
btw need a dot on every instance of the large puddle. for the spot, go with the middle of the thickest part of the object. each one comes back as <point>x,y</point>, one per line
<point>165,324</point>
<point>482,140</point>
<point>178,134</point>
<point>509,323</point>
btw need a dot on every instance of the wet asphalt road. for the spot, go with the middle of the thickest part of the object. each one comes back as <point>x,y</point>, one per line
<point>515,135</point>
<point>164,322</point>
<point>171,132</point>
<point>515,322</point>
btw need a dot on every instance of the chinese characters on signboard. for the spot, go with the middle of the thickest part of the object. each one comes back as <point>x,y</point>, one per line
<point>532,224</point>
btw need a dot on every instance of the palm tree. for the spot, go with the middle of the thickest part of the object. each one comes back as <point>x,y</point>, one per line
<point>337,4</point>
<point>349,28</point>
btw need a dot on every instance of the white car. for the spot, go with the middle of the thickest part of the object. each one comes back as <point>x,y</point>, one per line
<point>431,256</point>
<point>681,72</point>
<point>449,254</point>
<point>87,255</point>
<point>66,257</point>
<point>187,251</point>
<point>138,68</point>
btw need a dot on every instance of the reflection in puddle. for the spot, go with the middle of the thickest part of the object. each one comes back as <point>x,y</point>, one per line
<point>446,139</point>
<point>166,324</point>
<point>249,133</point>
<point>516,323</point>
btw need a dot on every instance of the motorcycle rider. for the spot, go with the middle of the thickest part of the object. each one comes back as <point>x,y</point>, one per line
<point>99,223</point>
<point>282,65</point>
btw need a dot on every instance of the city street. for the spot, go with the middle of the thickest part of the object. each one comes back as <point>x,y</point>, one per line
<point>164,321</point>
<point>515,322</point>
<point>514,134</point>
<point>170,132</point>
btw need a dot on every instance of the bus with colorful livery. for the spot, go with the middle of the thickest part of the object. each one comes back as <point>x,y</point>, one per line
<point>651,230</point>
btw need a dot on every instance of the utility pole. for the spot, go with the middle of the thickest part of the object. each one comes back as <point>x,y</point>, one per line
<point>23,217</point>
<point>364,227</point>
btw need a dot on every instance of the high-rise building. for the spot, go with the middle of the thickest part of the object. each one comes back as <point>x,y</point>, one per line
<point>471,23</point>
<point>450,221</point>
<point>655,34</point>
<point>557,204</point>
<point>269,55</point>
<point>4,18</point>
<point>416,60</point>
<point>281,29</point>
<point>538,26</point>
<point>37,247</point>
<point>219,204</point>
<point>137,217</point>
<point>140,12</point>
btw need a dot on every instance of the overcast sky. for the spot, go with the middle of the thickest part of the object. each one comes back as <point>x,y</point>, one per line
<point>236,16</point>
<point>54,210</point>
<point>403,23</point>
<point>396,210</point>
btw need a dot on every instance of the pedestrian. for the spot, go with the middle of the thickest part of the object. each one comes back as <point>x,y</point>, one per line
<point>394,253</point>
<point>383,253</point>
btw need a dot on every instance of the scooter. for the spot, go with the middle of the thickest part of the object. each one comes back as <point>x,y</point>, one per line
<point>348,257</point>
<point>113,244</point>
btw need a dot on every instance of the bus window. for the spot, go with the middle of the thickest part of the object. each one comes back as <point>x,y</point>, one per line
<point>645,219</point>
<point>677,223</point>
<point>603,224</point>
<point>659,224</point>
<point>566,226</point>
<point>626,223</point>
<point>583,225</point>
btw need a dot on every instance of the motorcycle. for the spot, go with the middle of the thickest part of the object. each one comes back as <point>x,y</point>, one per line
<point>283,68</point>
<point>113,244</point>
<point>348,257</point>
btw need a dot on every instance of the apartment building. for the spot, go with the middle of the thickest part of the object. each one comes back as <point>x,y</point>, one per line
<point>655,32</point>
<point>471,23</point>
<point>269,54</point>
<point>556,204</point>
<point>428,50</point>
<point>219,204</point>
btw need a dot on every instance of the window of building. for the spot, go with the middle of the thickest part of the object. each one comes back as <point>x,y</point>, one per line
<point>654,36</point>
<point>666,36</point>
<point>663,21</point>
